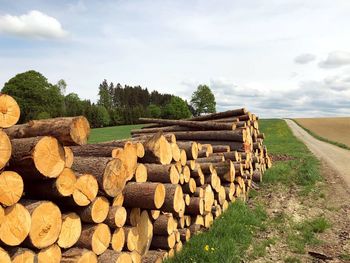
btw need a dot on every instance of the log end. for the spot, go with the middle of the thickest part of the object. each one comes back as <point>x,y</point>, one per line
<point>115,177</point>
<point>70,230</point>
<point>5,149</point>
<point>101,239</point>
<point>9,111</point>
<point>86,189</point>
<point>51,254</point>
<point>11,188</point>
<point>65,182</point>
<point>99,210</point>
<point>80,130</point>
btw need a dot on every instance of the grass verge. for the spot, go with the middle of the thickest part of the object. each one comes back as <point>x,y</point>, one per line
<point>341,145</point>
<point>234,232</point>
<point>112,133</point>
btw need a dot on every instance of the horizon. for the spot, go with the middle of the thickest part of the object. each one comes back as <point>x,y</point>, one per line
<point>282,60</point>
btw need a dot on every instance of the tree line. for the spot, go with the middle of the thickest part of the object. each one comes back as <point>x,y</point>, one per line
<point>116,104</point>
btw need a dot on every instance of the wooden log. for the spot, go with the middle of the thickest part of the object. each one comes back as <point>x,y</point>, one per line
<point>116,217</point>
<point>208,198</point>
<point>164,225</point>
<point>157,150</point>
<point>95,212</point>
<point>163,242</point>
<point>68,130</point>
<point>220,148</point>
<point>229,190</point>
<point>46,223</point>
<point>110,173</point>
<point>185,234</point>
<point>154,214</point>
<point>239,135</point>
<point>224,114</point>
<point>51,254</point>
<point>175,151</point>
<point>191,149</point>
<point>162,173</point>
<point>19,255</point>
<point>118,200</point>
<point>190,187</point>
<point>196,206</point>
<point>86,189</point>
<point>5,149</point>
<point>135,257</point>
<point>187,173</point>
<point>225,170</point>
<point>11,188</point>
<point>195,228</point>
<point>145,231</point>
<point>118,239</point>
<point>131,237</point>
<point>37,155</point>
<point>141,173</point>
<point>70,230</point>
<point>111,256</point>
<point>257,176</point>
<point>153,256</point>
<point>69,156</point>
<point>133,216</point>
<point>208,220</point>
<point>15,226</point>
<point>95,237</point>
<point>129,157</point>
<point>211,159</point>
<point>9,111</point>
<point>221,195</point>
<point>52,189</point>
<point>183,157</point>
<point>144,195</point>
<point>234,146</point>
<point>174,201</point>
<point>95,150</point>
<point>78,255</point>
<point>4,256</point>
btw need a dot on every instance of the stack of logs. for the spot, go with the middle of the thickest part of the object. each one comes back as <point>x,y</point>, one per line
<point>136,200</point>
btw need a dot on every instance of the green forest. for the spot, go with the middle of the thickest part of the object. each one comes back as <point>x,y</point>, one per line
<point>115,104</point>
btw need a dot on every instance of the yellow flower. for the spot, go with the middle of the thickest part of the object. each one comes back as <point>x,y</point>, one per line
<point>206,248</point>
<point>212,249</point>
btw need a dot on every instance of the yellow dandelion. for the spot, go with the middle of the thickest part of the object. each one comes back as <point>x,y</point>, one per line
<point>206,248</point>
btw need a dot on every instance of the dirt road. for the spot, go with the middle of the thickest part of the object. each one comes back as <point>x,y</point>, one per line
<point>337,158</point>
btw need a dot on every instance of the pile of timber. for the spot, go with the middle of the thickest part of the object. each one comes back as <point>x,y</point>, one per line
<point>137,200</point>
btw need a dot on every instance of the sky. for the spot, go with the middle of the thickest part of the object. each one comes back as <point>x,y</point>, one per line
<point>287,58</point>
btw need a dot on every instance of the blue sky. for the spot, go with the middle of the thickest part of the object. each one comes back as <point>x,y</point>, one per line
<point>278,58</point>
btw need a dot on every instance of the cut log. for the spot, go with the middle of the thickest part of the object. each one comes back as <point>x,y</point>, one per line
<point>9,111</point>
<point>69,156</point>
<point>157,150</point>
<point>46,223</point>
<point>95,212</point>
<point>131,238</point>
<point>86,189</point>
<point>175,150</point>
<point>196,206</point>
<point>70,230</point>
<point>135,257</point>
<point>220,148</point>
<point>183,157</point>
<point>111,173</point>
<point>174,201</point>
<point>20,255</point>
<point>224,114</point>
<point>230,191</point>
<point>163,242</point>
<point>185,234</point>
<point>54,188</point>
<point>133,216</point>
<point>145,231</point>
<point>15,226</point>
<point>111,256</point>
<point>164,225</point>
<point>191,164</point>
<point>95,237</point>
<point>78,255</point>
<point>11,188</point>
<point>118,200</point>
<point>187,199</point>
<point>2,214</point>
<point>5,149</point>
<point>208,220</point>
<point>118,239</point>
<point>141,173</point>
<point>208,198</point>
<point>37,154</point>
<point>190,187</point>
<point>187,173</point>
<point>211,159</point>
<point>116,217</point>
<point>144,195</point>
<point>195,228</point>
<point>51,254</point>
<point>4,256</point>
<point>68,130</point>
<point>234,146</point>
<point>162,173</point>
<point>257,176</point>
<point>191,149</point>
<point>95,150</point>
<point>154,256</point>
<point>129,158</point>
<point>226,171</point>
<point>154,214</point>
<point>221,195</point>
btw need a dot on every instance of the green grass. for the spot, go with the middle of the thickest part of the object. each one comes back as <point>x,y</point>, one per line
<point>112,133</point>
<point>341,145</point>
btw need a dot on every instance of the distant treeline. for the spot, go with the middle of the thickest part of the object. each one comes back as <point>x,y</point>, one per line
<point>116,104</point>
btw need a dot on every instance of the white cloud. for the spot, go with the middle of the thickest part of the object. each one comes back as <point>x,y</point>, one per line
<point>34,24</point>
<point>336,59</point>
<point>304,58</point>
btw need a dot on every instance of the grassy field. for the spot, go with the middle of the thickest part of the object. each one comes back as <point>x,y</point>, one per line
<point>111,133</point>
<point>332,130</point>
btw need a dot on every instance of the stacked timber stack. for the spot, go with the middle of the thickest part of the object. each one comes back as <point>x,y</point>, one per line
<point>136,200</point>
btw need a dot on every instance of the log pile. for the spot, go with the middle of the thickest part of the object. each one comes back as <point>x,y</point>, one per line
<point>136,200</point>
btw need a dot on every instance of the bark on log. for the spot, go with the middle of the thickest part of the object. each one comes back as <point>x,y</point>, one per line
<point>224,114</point>
<point>162,173</point>
<point>185,234</point>
<point>95,212</point>
<point>144,195</point>
<point>68,130</point>
<point>118,239</point>
<point>164,225</point>
<point>191,149</point>
<point>211,159</point>
<point>196,206</point>
<point>190,187</point>
<point>70,230</point>
<point>220,148</point>
<point>163,242</point>
<point>157,150</point>
<point>235,135</point>
<point>11,188</point>
<point>9,111</point>
<point>153,256</point>
<point>95,150</point>
<point>116,217</point>
<point>16,225</point>
<point>111,174</point>
<point>46,223</point>
<point>111,256</point>
<point>234,146</point>
<point>37,155</point>
<point>95,237</point>
<point>78,255</point>
<point>5,149</point>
